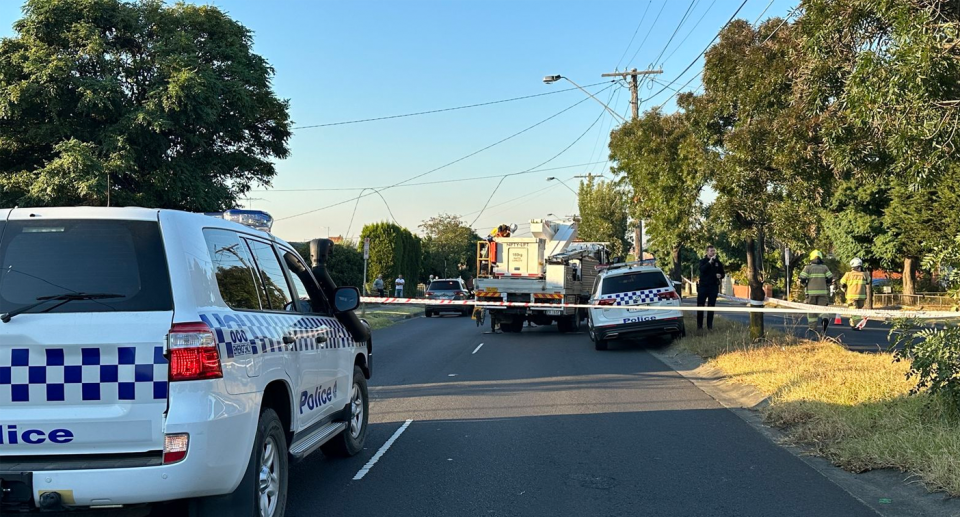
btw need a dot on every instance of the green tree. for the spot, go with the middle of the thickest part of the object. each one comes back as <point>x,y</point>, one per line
<point>345,265</point>
<point>881,77</point>
<point>147,104</point>
<point>664,165</point>
<point>604,215</point>
<point>757,144</point>
<point>449,247</point>
<point>393,251</point>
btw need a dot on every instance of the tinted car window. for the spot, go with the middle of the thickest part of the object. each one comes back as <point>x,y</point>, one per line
<point>234,268</point>
<point>271,276</point>
<point>633,282</point>
<point>56,257</point>
<point>445,285</point>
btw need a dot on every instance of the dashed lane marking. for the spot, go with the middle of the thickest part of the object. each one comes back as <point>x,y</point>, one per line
<point>383,449</point>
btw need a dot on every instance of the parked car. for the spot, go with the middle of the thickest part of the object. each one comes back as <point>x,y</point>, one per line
<point>448,289</point>
<point>623,286</point>
<point>155,355</point>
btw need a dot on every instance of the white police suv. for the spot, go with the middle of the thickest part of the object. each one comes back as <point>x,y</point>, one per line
<point>618,290</point>
<point>154,355</point>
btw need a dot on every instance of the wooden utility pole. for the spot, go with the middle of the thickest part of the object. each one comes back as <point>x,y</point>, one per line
<point>634,86</point>
<point>635,109</point>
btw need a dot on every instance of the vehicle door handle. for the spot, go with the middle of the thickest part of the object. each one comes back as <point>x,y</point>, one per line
<point>321,339</point>
<point>288,340</point>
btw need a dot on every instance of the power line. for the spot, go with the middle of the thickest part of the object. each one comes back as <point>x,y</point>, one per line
<point>642,17</point>
<point>654,24</point>
<point>518,198</point>
<point>685,38</point>
<point>442,110</point>
<point>458,160</point>
<point>538,165</point>
<point>702,52</point>
<point>676,30</point>
<point>457,180</point>
<point>785,20</point>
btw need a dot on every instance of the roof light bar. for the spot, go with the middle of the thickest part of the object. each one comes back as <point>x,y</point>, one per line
<point>256,219</point>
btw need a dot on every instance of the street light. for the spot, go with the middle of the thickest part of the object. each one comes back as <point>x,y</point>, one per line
<point>550,79</point>
<point>554,178</point>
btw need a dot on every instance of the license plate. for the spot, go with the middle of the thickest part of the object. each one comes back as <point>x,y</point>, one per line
<point>554,313</point>
<point>639,310</point>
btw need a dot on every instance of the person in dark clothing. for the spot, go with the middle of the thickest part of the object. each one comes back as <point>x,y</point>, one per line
<point>711,273</point>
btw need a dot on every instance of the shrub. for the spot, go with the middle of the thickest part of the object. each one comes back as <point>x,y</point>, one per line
<point>934,356</point>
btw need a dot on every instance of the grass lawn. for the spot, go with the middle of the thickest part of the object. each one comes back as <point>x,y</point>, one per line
<point>853,408</point>
<point>384,316</point>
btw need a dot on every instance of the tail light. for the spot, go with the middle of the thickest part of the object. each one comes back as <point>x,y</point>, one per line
<point>175,447</point>
<point>607,301</point>
<point>669,295</point>
<point>193,353</point>
<point>429,293</point>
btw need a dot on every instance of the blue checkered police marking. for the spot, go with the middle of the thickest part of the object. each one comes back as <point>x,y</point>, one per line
<point>636,297</point>
<point>107,374</point>
<point>248,333</point>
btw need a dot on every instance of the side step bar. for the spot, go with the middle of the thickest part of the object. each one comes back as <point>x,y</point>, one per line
<point>311,442</point>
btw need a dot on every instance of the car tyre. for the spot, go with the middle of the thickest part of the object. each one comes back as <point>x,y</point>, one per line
<point>262,491</point>
<point>598,344</point>
<point>350,441</point>
<point>428,314</point>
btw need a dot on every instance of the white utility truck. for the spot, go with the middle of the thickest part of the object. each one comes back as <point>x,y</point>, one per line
<point>548,268</point>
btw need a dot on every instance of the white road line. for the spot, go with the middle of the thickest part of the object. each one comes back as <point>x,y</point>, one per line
<point>475,350</point>
<point>383,449</point>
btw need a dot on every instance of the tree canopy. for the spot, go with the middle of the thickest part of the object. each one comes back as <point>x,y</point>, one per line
<point>603,215</point>
<point>448,245</point>
<point>659,158</point>
<point>151,105</point>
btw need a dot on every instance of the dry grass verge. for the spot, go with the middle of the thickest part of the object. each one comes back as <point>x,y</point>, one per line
<point>853,408</point>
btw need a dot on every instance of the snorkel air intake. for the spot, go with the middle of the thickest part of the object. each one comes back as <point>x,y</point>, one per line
<point>319,255</point>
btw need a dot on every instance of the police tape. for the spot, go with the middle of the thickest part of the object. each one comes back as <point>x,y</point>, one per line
<point>785,307</point>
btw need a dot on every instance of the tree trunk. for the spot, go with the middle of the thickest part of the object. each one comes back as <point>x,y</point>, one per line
<point>869,303</point>
<point>756,289</point>
<point>675,272</point>
<point>910,275</point>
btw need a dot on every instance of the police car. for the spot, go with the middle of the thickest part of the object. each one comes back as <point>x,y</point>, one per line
<point>622,286</point>
<point>154,355</point>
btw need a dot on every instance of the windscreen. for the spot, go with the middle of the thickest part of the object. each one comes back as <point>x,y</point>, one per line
<point>444,285</point>
<point>633,282</point>
<point>58,257</point>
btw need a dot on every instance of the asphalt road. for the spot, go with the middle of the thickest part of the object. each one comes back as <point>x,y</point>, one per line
<point>542,424</point>
<point>873,338</point>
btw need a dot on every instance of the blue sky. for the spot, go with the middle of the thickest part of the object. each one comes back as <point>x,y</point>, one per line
<point>340,61</point>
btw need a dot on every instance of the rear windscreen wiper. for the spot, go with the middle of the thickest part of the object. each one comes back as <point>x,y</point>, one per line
<point>62,298</point>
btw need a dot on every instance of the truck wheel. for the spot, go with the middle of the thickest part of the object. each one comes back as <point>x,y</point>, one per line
<point>569,323</point>
<point>263,489</point>
<point>514,326</point>
<point>350,441</point>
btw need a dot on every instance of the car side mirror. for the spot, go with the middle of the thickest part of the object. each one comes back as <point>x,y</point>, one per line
<point>346,299</point>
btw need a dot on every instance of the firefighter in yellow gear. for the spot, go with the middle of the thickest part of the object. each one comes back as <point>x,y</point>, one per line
<point>854,283</point>
<point>816,279</point>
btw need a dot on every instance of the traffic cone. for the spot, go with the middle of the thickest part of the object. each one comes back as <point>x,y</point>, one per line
<point>837,320</point>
